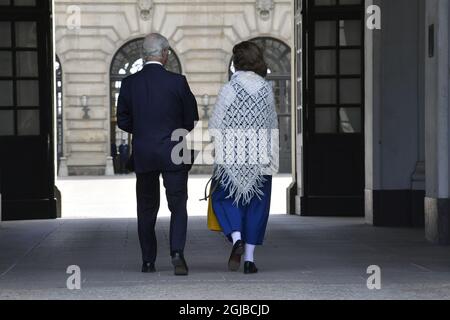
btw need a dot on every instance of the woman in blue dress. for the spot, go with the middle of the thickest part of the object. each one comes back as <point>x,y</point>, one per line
<point>245,130</point>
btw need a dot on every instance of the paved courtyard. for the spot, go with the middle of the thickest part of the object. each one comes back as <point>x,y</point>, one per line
<point>303,258</point>
<point>115,197</point>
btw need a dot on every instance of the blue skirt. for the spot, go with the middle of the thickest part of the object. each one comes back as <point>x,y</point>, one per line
<point>250,219</point>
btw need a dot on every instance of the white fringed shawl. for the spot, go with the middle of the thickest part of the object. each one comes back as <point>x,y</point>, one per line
<point>244,126</point>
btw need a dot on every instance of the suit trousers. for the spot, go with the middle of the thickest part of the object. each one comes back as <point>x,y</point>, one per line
<point>148,201</point>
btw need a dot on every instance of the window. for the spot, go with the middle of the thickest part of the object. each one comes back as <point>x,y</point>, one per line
<point>18,3</point>
<point>336,56</point>
<point>276,54</point>
<point>59,109</point>
<point>19,77</point>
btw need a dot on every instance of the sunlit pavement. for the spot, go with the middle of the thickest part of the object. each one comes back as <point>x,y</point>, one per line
<point>303,258</point>
<point>115,197</point>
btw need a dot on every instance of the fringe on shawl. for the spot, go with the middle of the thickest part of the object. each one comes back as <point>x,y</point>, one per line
<point>226,181</point>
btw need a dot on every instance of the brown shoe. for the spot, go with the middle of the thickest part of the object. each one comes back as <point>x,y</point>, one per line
<point>235,258</point>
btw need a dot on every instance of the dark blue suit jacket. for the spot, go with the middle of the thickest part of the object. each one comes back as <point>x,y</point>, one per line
<point>152,104</point>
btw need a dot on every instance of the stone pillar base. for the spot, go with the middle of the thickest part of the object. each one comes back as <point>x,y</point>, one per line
<point>437,220</point>
<point>58,198</point>
<point>395,208</point>
<point>291,194</point>
<point>298,205</point>
<point>109,171</point>
<point>63,170</point>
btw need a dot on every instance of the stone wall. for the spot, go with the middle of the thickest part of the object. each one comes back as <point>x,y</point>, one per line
<point>394,115</point>
<point>437,116</point>
<point>202,34</point>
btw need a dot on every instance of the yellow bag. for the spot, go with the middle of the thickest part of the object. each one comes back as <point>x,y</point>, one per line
<point>213,223</point>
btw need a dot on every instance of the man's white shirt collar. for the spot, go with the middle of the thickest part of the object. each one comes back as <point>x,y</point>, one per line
<point>153,62</point>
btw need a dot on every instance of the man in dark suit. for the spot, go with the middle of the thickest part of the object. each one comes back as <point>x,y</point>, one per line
<point>124,155</point>
<point>153,103</point>
<point>114,157</point>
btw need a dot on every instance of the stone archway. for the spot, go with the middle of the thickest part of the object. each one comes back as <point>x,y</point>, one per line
<point>278,58</point>
<point>128,60</point>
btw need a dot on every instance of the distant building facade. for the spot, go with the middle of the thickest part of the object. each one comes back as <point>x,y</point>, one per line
<point>98,44</point>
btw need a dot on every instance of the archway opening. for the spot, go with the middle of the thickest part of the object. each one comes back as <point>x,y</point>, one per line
<point>127,61</point>
<point>278,58</point>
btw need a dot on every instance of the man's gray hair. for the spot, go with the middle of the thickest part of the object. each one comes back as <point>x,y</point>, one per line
<point>154,45</point>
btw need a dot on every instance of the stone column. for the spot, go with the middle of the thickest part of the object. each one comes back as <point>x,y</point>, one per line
<point>63,169</point>
<point>295,191</point>
<point>437,218</point>
<point>85,55</point>
<point>393,109</point>
<point>109,171</point>
<point>372,113</point>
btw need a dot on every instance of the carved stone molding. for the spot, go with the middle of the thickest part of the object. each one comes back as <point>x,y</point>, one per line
<point>264,8</point>
<point>145,7</point>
